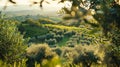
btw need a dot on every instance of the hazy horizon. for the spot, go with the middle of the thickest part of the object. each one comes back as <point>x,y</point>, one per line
<point>25,5</point>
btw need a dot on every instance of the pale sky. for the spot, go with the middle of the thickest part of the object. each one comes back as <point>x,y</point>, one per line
<point>52,6</point>
<point>28,2</point>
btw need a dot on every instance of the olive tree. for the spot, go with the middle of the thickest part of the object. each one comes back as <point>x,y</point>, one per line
<point>38,53</point>
<point>12,44</point>
<point>86,58</point>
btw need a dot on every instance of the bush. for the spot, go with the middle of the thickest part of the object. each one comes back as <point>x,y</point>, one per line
<point>49,35</point>
<point>111,60</point>
<point>58,38</point>
<point>69,33</point>
<point>51,41</point>
<point>58,51</point>
<point>87,58</point>
<point>69,53</point>
<point>112,57</point>
<point>12,44</point>
<point>59,32</point>
<point>39,53</point>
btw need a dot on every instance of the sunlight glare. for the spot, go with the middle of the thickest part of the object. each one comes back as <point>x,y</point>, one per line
<point>22,1</point>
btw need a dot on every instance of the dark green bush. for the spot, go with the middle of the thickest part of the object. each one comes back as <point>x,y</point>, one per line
<point>59,32</point>
<point>49,35</point>
<point>58,51</point>
<point>111,59</point>
<point>86,58</point>
<point>51,41</point>
<point>58,38</point>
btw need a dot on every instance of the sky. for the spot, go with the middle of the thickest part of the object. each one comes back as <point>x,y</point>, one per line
<point>20,2</point>
<point>25,5</point>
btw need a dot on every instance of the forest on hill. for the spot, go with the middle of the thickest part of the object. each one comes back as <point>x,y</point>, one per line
<point>86,35</point>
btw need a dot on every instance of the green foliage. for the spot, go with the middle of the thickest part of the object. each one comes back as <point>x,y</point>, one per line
<point>69,53</point>
<point>63,41</point>
<point>101,14</point>
<point>86,59</point>
<point>58,50</point>
<point>113,53</point>
<point>32,31</point>
<point>15,64</point>
<point>58,38</point>
<point>51,41</point>
<point>106,13</point>
<point>49,35</point>
<point>55,62</point>
<point>39,53</point>
<point>32,28</point>
<point>12,44</point>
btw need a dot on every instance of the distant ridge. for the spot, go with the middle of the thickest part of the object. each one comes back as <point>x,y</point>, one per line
<point>31,12</point>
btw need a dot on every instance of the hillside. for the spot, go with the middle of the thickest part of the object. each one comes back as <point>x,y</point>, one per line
<point>85,33</point>
<point>46,30</point>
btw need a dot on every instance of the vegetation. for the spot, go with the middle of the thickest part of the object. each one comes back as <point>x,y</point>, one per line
<point>39,53</point>
<point>11,42</point>
<point>89,36</point>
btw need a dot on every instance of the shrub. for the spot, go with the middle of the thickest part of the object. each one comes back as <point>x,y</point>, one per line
<point>86,58</point>
<point>59,32</point>
<point>58,51</point>
<point>51,41</point>
<point>12,44</point>
<point>39,53</point>
<point>111,60</point>
<point>112,57</point>
<point>69,53</point>
<point>49,35</point>
<point>58,38</point>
